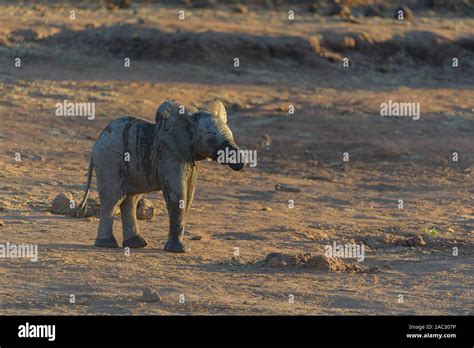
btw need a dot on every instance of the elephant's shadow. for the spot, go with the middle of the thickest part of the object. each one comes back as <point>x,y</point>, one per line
<point>94,249</point>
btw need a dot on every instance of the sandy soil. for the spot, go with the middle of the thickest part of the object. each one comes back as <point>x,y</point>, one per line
<point>337,110</point>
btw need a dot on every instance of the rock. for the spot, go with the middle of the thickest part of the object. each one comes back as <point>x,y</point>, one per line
<point>374,10</point>
<point>319,178</point>
<point>411,242</point>
<point>63,204</point>
<point>415,241</point>
<point>200,3</point>
<point>242,9</point>
<point>315,7</point>
<point>266,140</point>
<point>286,188</point>
<point>2,223</point>
<point>117,4</point>
<point>267,209</point>
<point>403,12</point>
<point>195,237</point>
<point>340,10</point>
<point>145,209</point>
<point>150,295</point>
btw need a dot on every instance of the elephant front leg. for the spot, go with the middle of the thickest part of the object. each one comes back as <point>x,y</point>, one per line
<point>176,204</point>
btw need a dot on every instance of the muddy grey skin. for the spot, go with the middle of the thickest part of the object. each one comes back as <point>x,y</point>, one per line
<point>161,157</point>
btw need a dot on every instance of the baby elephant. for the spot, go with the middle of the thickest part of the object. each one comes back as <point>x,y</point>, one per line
<point>133,156</point>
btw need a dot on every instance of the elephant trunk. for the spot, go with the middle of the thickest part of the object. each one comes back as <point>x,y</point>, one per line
<point>230,154</point>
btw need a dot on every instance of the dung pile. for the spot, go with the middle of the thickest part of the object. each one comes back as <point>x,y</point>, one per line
<point>410,242</point>
<point>308,261</point>
<point>65,204</point>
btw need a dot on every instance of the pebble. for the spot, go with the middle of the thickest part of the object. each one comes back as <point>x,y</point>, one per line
<point>150,295</point>
<point>286,188</point>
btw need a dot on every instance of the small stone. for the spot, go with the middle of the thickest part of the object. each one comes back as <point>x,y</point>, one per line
<point>195,237</point>
<point>145,209</point>
<point>340,10</point>
<point>286,188</point>
<point>266,140</point>
<point>150,295</point>
<point>2,223</point>
<point>375,10</point>
<point>267,209</point>
<point>242,9</point>
<point>117,4</point>
<point>314,7</point>
<point>405,12</point>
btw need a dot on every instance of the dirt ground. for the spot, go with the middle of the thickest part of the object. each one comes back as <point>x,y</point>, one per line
<point>282,63</point>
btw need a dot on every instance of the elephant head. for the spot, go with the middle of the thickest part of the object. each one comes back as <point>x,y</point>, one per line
<point>194,134</point>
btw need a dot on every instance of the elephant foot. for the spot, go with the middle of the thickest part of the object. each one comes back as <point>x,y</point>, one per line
<point>135,242</point>
<point>175,246</point>
<point>106,243</point>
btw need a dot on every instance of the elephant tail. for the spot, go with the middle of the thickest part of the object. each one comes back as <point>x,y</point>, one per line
<point>83,205</point>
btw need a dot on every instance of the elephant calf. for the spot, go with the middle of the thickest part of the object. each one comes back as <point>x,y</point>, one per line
<point>132,157</point>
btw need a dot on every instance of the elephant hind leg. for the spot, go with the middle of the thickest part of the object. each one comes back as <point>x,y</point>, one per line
<point>105,235</point>
<point>131,232</point>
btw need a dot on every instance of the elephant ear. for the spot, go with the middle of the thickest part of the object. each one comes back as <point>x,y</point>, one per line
<point>216,108</point>
<point>174,128</point>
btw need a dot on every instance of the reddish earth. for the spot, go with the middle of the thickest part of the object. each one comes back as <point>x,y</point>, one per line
<point>337,111</point>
